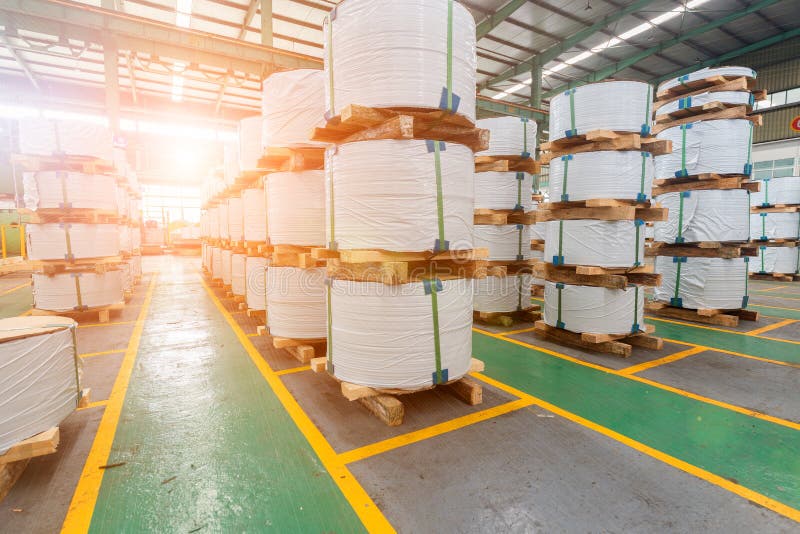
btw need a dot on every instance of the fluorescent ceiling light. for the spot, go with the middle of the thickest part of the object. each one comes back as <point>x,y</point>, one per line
<point>183,13</point>
<point>177,87</point>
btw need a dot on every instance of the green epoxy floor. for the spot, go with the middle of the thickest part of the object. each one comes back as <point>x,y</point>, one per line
<point>208,447</point>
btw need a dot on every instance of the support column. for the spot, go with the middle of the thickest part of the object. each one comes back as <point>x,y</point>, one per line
<point>266,22</point>
<point>536,83</point>
<point>110,66</point>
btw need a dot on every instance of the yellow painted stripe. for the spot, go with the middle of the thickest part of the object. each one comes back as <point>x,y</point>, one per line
<point>770,289</point>
<point>7,291</point>
<point>774,308</point>
<point>732,407</point>
<point>719,329</point>
<point>772,326</point>
<point>781,297</point>
<point>79,515</point>
<point>520,331</point>
<point>94,405</point>
<point>633,369</point>
<point>101,353</point>
<point>733,353</point>
<point>717,480</point>
<point>370,515</point>
<point>293,370</point>
<point>253,335</point>
<point>431,431</point>
<point>25,314</point>
<point>91,325</point>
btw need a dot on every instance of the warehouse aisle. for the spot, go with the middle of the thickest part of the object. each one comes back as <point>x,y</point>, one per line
<point>202,443</point>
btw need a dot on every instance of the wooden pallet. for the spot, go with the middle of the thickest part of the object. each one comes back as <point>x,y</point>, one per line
<point>279,159</point>
<point>103,312</point>
<point>705,181</point>
<point>537,244</point>
<point>537,291</point>
<point>384,404</point>
<point>776,242</point>
<point>507,164</point>
<point>707,316</point>
<point>499,217</point>
<point>735,112</point>
<point>698,111</point>
<point>304,350</point>
<point>292,256</point>
<point>361,123</point>
<point>13,265</point>
<point>600,209</point>
<point>603,140</point>
<point>705,85</point>
<point>598,276</point>
<point>776,208</point>
<point>394,268</point>
<point>97,265</point>
<point>528,315</point>
<point>510,268</point>
<point>62,162</point>
<point>71,215</point>
<point>15,460</point>
<point>258,315</point>
<point>616,344</point>
<point>705,249</point>
<point>776,277</point>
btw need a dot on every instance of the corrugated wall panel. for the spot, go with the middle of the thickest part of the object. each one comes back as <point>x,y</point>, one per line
<point>777,125</point>
<point>778,66</point>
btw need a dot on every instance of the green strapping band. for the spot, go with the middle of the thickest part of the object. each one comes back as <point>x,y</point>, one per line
<point>437,158</point>
<point>78,292</point>
<point>559,321</point>
<point>561,241</point>
<point>329,22</point>
<point>678,280</point>
<point>76,359</point>
<point>763,250</point>
<point>683,148</point>
<point>636,306</point>
<point>679,238</point>
<point>524,136</point>
<point>450,55</point>
<point>766,191</point>
<point>63,177</point>
<point>750,143</point>
<point>519,240</point>
<point>572,111</point>
<point>519,193</point>
<point>519,291</point>
<point>644,169</point>
<point>763,225</point>
<point>330,330</point>
<point>436,341</point>
<point>638,233</point>
<point>564,178</point>
<point>331,221</point>
<point>68,243</point>
<point>647,109</point>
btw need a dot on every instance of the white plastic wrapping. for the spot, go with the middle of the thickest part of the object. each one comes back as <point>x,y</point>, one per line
<point>296,208</point>
<point>395,54</point>
<point>127,276</point>
<point>45,137</point>
<point>238,274</point>
<point>293,104</point>
<point>254,203</point>
<point>49,241</point>
<point>60,189</point>
<point>213,222</point>
<point>726,97</point>
<point>123,204</point>
<point>223,220</point>
<point>136,265</point>
<point>705,283</point>
<point>385,195</point>
<point>731,71</point>
<point>707,215</point>
<point>503,190</point>
<point>382,335</point>
<point>59,292</point>
<point>502,293</point>
<point>510,136</point>
<point>598,310</point>
<point>624,175</point>
<point>216,263</point>
<point>776,260</point>
<point>773,191</point>
<point>764,226</point>
<point>506,242</point>
<point>296,302</point>
<point>39,376</point>
<point>136,238</point>
<point>716,146</point>
<point>225,258</point>
<point>620,106</point>
<point>256,281</point>
<point>236,219</point>
<point>599,243</point>
<point>126,240</point>
<point>250,147</point>
<point>230,162</point>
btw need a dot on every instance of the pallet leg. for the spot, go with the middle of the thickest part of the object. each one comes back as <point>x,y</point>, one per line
<point>103,316</point>
<point>466,389</point>
<point>385,407</point>
<point>9,474</point>
<point>303,353</point>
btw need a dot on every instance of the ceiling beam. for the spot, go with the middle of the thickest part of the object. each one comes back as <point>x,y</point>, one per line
<point>614,68</point>
<point>21,62</point>
<point>493,20</point>
<point>506,108</point>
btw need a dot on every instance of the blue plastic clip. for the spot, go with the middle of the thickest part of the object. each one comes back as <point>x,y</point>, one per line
<point>681,173</point>
<point>638,222</point>
<point>564,197</point>
<point>520,176</point>
<point>429,143</point>
<point>525,154</point>
<point>745,300</point>
<point>333,245</point>
<point>634,328</point>
<point>645,129</point>
<point>571,133</point>
<point>443,101</point>
<point>518,207</point>
<point>445,378</point>
<point>641,197</point>
<point>561,325</point>
<point>687,126</point>
<point>429,285</point>
<point>686,194</point>
<point>676,301</point>
<point>748,169</point>
<point>558,260</point>
<point>566,158</point>
<point>679,259</point>
<point>441,246</point>
<point>560,285</point>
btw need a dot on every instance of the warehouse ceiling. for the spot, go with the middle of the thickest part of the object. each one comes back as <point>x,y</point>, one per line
<point>44,59</point>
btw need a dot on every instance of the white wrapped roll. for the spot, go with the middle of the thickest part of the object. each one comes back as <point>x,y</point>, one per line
<point>136,266</point>
<point>59,292</point>
<point>250,147</point>
<point>599,243</point>
<point>126,240</point>
<point>777,191</point>
<point>123,205</point>
<point>127,276</point>
<point>726,97</point>
<point>716,146</point>
<point>597,310</point>
<point>385,195</point>
<point>503,190</point>
<point>136,238</point>
<point>39,376</point>
<point>382,336</point>
<point>238,274</point>
<point>224,233</point>
<point>765,226</point>
<point>728,71</point>
<point>204,259</point>
<point>510,136</point>
<point>296,302</point>
<point>538,231</point>
<point>502,293</point>
<point>296,208</point>
<point>49,241</point>
<point>256,280</point>
<point>776,260</point>
<point>624,175</point>
<point>62,189</point>
<point>705,215</point>
<point>395,54</point>
<point>506,242</point>
<point>618,106</point>
<point>293,104</point>
<point>213,222</point>
<point>235,219</point>
<point>703,283</point>
<point>216,263</point>
<point>225,258</point>
<point>45,137</point>
<point>230,162</point>
<point>255,215</point>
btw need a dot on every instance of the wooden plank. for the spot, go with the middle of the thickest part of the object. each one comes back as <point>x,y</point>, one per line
<point>387,408</point>
<point>737,84</point>
<point>466,389</point>
<point>283,342</point>
<point>663,310</point>
<point>701,250</point>
<point>678,185</point>
<point>318,364</point>
<point>38,445</point>
<point>10,473</point>
<point>616,348</point>
<point>603,213</point>
<point>737,112</point>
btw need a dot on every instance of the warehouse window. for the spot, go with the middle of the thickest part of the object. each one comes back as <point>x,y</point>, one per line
<point>168,204</point>
<point>773,168</point>
<point>780,98</point>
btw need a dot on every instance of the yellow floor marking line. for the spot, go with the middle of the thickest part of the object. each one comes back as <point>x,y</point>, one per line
<point>253,335</point>
<point>684,393</point>
<point>92,325</point>
<point>770,289</point>
<point>633,369</point>
<point>780,297</point>
<point>293,370</point>
<point>774,308</point>
<point>769,327</point>
<point>402,440</point>
<point>724,483</point>
<point>26,313</point>
<point>101,353</point>
<point>721,330</point>
<point>363,505</point>
<point>520,331</point>
<point>733,353</point>
<point>7,291</point>
<point>79,515</point>
<point>94,405</point>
